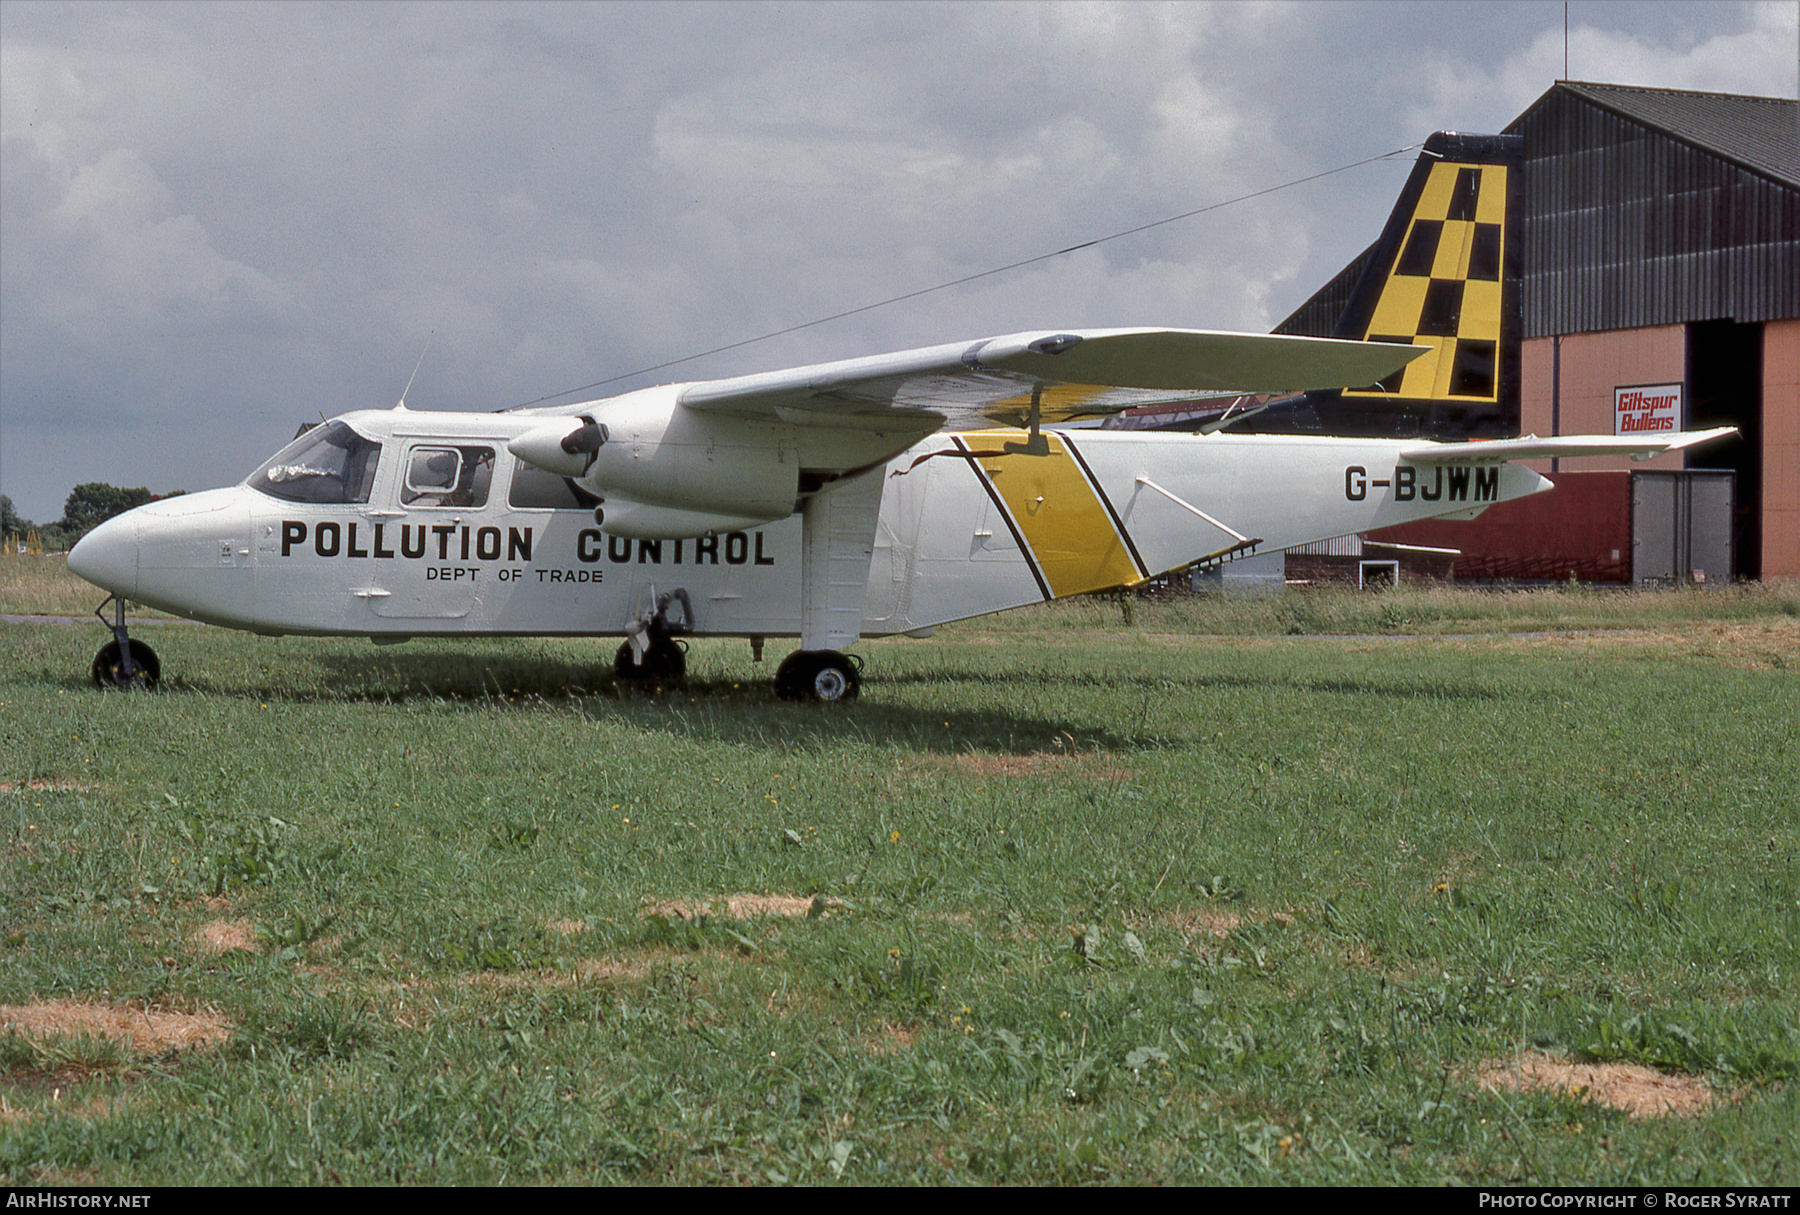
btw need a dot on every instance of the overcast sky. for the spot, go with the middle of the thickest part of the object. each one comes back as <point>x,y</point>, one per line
<point>217,220</point>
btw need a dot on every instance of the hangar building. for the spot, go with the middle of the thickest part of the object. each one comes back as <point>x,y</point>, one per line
<point>1660,241</point>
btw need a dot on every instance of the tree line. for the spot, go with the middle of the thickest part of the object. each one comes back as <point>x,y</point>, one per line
<point>87,507</point>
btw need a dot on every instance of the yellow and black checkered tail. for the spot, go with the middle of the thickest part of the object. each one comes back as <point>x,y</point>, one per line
<point>1444,274</point>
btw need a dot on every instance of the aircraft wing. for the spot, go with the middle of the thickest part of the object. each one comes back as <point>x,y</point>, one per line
<point>971,385</point>
<point>1530,447</point>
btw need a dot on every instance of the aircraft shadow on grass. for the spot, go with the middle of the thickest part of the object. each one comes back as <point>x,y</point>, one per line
<point>1175,685</point>
<point>745,710</point>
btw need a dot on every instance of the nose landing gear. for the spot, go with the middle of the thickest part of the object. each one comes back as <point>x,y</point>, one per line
<point>122,662</point>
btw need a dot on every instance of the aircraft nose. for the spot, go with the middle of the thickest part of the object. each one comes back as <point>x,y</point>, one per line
<point>108,555</point>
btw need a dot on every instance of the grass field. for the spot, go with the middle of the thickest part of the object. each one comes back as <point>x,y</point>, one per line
<point>1202,897</point>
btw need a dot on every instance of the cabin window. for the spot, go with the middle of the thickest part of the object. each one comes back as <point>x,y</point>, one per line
<point>328,464</point>
<point>448,476</point>
<point>535,489</point>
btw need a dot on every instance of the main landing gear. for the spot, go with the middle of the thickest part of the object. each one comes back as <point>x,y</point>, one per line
<point>825,676</point>
<point>122,662</point>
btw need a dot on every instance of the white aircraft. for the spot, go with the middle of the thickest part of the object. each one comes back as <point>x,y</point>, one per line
<point>854,499</point>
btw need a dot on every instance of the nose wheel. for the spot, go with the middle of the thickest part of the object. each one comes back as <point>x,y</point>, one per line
<point>822,676</point>
<point>122,662</point>
<point>110,669</point>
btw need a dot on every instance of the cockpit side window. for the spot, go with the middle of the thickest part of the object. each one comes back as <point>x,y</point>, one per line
<point>448,476</point>
<point>328,464</point>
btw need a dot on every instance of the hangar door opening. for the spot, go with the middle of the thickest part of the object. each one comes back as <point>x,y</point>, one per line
<point>1724,365</point>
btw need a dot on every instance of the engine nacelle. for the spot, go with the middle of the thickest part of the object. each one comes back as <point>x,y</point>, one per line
<point>664,472</point>
<point>639,521</point>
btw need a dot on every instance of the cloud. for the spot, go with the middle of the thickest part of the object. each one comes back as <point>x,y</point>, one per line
<point>140,265</point>
<point>1758,58</point>
<point>220,219</point>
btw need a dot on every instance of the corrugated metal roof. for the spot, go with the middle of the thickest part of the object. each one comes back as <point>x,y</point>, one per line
<point>1629,223</point>
<point>1760,133</point>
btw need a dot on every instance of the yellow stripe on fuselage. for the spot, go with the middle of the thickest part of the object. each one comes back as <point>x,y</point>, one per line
<point>1068,529</point>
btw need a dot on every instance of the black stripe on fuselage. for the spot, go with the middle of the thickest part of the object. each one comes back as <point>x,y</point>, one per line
<point>1100,493</point>
<point>999,505</point>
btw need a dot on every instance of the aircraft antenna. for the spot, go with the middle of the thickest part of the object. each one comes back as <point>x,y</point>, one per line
<point>415,374</point>
<point>970,278</point>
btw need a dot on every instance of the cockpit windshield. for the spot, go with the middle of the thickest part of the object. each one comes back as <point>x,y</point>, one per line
<point>329,463</point>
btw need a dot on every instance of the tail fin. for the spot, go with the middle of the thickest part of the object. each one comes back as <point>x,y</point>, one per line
<point>1445,274</point>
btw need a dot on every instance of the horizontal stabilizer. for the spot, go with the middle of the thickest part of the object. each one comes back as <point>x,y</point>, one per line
<point>1530,447</point>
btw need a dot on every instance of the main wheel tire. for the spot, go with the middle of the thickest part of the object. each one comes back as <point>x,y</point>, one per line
<point>791,676</point>
<point>820,676</point>
<point>664,662</point>
<point>109,667</point>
